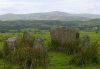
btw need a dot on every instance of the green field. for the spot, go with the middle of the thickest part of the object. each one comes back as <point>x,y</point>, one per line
<point>58,60</point>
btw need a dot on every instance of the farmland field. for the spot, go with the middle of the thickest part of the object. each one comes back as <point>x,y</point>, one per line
<point>58,60</point>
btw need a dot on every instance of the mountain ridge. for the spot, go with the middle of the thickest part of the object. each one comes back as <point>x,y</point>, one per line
<point>54,15</point>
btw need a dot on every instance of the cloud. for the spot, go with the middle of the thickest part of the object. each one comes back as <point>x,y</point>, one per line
<point>30,6</point>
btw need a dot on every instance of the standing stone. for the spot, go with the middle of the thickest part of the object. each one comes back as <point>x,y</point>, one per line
<point>40,52</point>
<point>28,39</point>
<point>39,41</point>
<point>86,40</point>
<point>64,35</point>
<point>27,36</point>
<point>11,43</point>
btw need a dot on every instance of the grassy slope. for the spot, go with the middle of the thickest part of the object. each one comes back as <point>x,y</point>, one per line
<point>57,60</point>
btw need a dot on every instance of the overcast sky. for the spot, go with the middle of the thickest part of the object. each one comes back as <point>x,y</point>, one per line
<point>33,6</point>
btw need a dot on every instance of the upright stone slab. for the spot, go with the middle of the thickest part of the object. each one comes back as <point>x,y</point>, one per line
<point>40,52</point>
<point>86,42</point>
<point>39,41</point>
<point>64,35</point>
<point>28,39</point>
<point>11,43</point>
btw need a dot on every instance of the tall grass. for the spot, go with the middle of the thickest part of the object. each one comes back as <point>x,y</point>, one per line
<point>89,55</point>
<point>28,55</point>
<point>70,47</point>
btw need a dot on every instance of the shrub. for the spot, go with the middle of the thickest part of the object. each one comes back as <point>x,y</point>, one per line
<point>27,54</point>
<point>1,54</point>
<point>54,45</point>
<point>31,57</point>
<point>70,47</point>
<point>87,56</point>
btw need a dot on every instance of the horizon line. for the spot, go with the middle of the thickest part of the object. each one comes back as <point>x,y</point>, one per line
<point>48,12</point>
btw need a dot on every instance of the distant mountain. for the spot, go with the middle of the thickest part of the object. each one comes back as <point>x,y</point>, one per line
<point>55,15</point>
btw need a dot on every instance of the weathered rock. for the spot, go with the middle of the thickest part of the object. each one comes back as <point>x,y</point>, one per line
<point>40,52</point>
<point>39,41</point>
<point>86,40</point>
<point>64,37</point>
<point>27,36</point>
<point>28,39</point>
<point>11,43</point>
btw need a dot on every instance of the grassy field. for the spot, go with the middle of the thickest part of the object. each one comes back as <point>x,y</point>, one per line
<point>58,60</point>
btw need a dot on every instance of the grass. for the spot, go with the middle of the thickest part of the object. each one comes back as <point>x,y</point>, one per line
<point>6,65</point>
<point>93,35</point>
<point>58,60</point>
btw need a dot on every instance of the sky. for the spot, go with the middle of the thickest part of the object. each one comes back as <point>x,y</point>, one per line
<point>35,6</point>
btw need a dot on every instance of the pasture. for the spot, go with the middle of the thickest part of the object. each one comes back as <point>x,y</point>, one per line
<point>57,60</point>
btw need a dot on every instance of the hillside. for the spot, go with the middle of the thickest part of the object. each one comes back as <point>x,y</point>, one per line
<point>18,25</point>
<point>55,15</point>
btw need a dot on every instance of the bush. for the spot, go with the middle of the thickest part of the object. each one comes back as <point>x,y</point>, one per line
<point>71,47</point>
<point>55,45</point>
<point>1,54</point>
<point>87,56</point>
<point>27,54</point>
